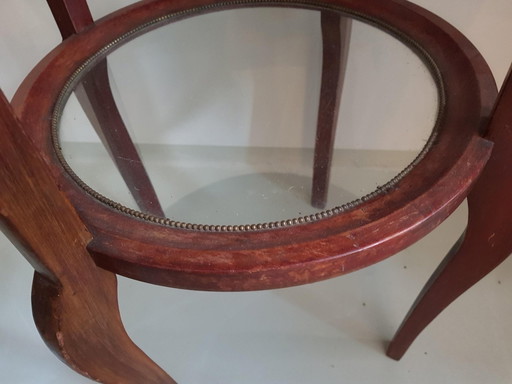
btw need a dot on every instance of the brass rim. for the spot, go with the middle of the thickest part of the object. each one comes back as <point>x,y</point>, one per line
<point>76,77</point>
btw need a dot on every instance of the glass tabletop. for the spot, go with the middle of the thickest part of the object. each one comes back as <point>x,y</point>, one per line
<point>222,109</point>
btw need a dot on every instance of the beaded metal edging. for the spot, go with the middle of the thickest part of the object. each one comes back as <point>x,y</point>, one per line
<point>313,5</point>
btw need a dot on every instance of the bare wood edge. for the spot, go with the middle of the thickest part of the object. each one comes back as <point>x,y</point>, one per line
<point>74,302</point>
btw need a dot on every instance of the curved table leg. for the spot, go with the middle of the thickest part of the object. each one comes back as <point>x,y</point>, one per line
<point>95,95</point>
<point>336,40</point>
<point>487,240</point>
<point>74,302</point>
<point>80,323</point>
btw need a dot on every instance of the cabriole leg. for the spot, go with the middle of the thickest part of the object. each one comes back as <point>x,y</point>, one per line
<point>487,240</point>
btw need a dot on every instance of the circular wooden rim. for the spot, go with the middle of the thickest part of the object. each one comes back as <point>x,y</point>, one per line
<point>77,76</point>
<point>297,254</point>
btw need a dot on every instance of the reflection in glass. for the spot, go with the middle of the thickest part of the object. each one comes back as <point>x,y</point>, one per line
<point>222,108</point>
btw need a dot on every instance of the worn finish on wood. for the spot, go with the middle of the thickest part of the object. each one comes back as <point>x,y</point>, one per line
<point>487,240</point>
<point>336,31</point>
<point>95,95</point>
<point>299,254</point>
<point>74,302</point>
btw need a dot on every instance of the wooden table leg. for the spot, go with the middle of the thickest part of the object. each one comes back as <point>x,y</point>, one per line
<point>74,302</point>
<point>488,237</point>
<point>95,95</point>
<point>336,31</point>
<point>71,16</point>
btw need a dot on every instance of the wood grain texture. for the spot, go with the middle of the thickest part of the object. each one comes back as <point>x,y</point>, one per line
<point>297,254</point>
<point>74,302</point>
<point>487,241</point>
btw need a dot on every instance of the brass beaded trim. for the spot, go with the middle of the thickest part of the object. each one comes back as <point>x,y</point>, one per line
<point>305,4</point>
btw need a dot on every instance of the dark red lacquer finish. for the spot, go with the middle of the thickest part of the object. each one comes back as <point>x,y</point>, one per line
<point>336,32</point>
<point>486,242</point>
<point>297,254</point>
<point>77,255</point>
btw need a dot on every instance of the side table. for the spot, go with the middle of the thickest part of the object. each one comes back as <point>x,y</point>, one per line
<point>77,239</point>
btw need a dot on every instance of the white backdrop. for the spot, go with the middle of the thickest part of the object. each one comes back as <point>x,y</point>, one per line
<point>252,78</point>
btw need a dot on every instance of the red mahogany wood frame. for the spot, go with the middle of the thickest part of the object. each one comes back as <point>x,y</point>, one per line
<point>213,258</point>
<point>336,32</point>
<point>258,259</point>
<point>74,302</point>
<point>288,254</point>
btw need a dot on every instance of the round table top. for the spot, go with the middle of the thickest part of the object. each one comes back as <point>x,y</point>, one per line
<point>225,122</point>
